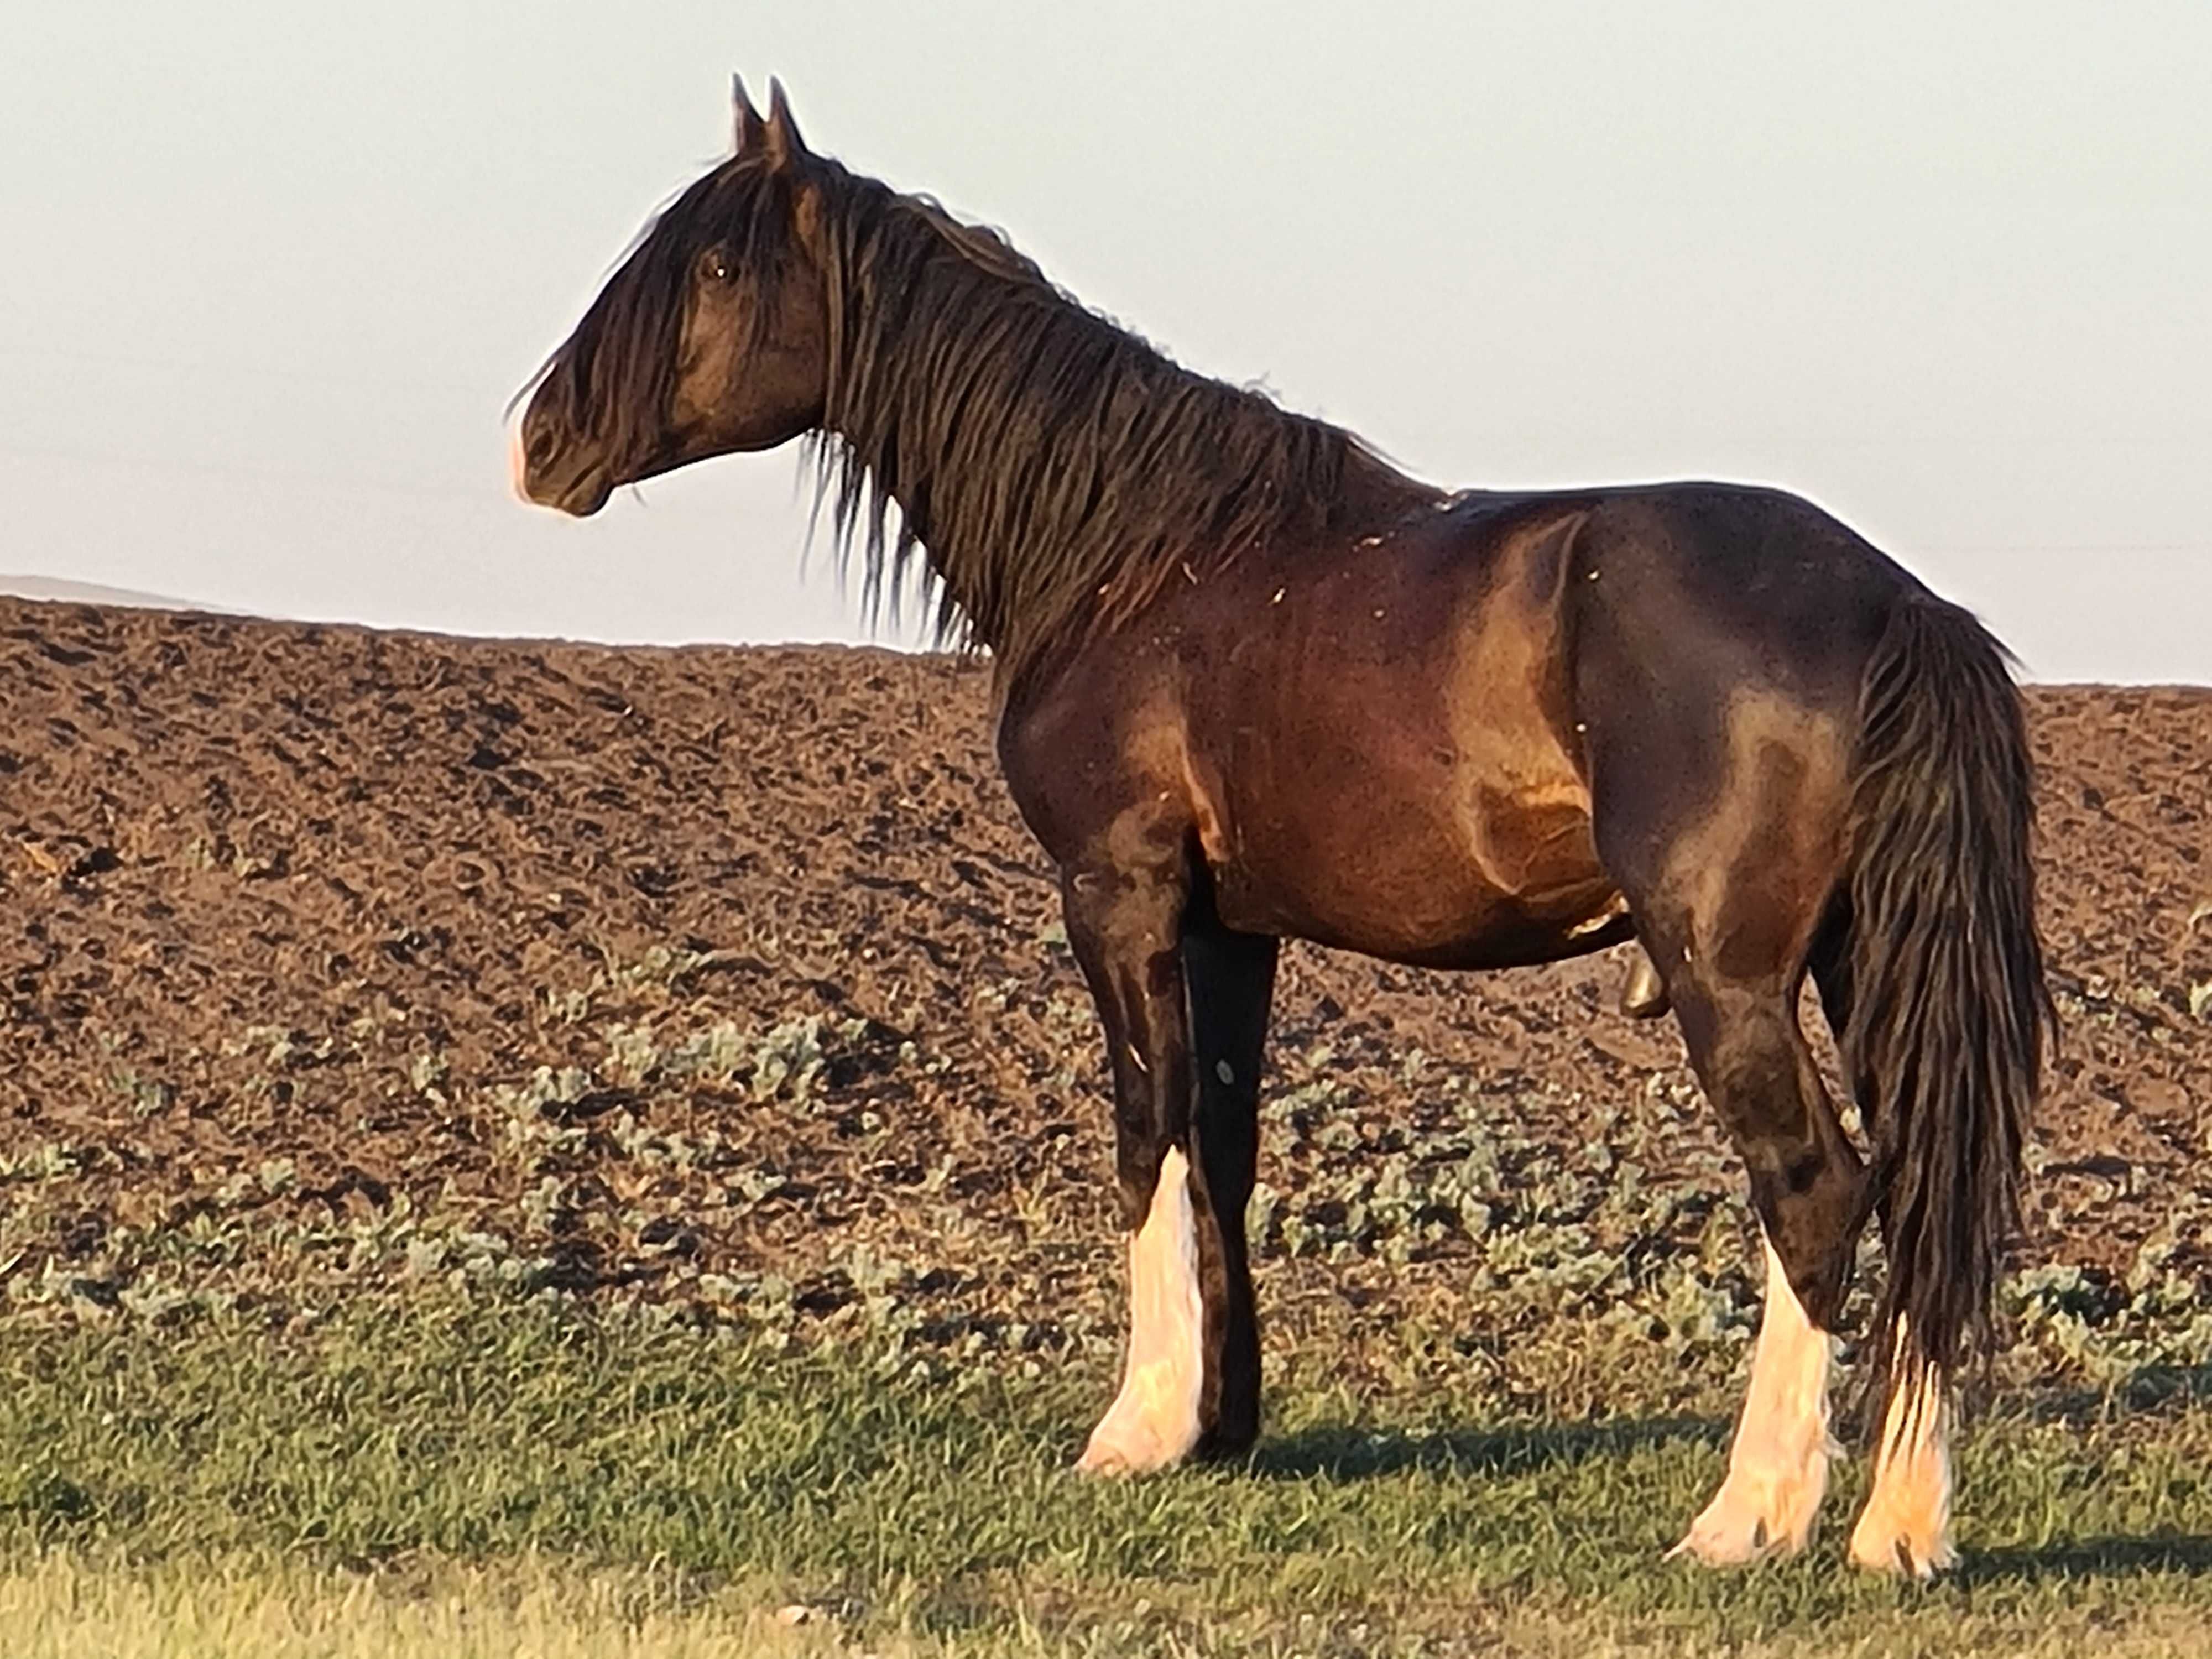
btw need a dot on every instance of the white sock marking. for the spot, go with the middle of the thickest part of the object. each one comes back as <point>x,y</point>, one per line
<point>1778,1464</point>
<point>1906,1526</point>
<point>1153,1421</point>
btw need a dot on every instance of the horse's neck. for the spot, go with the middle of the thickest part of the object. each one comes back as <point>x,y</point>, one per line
<point>975,576</point>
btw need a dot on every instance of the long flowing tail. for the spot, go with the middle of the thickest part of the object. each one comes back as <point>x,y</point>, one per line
<point>1948,1004</point>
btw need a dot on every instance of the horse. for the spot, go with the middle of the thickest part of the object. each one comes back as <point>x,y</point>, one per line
<point>1252,682</point>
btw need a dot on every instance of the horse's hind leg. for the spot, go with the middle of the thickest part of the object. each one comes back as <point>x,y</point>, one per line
<point>1184,1005</point>
<point>1777,1469</point>
<point>1905,1525</point>
<point>1729,929</point>
<point>1805,1187</point>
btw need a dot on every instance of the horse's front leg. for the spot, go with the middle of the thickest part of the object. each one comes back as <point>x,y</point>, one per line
<point>1231,978</point>
<point>1185,1137</point>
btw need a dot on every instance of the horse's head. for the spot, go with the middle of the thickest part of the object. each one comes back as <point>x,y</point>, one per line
<point>711,338</point>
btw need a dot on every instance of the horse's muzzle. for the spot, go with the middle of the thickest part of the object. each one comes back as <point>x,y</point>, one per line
<point>549,472</point>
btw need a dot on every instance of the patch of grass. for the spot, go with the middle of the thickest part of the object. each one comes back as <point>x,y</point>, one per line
<point>65,1606</point>
<point>415,1437</point>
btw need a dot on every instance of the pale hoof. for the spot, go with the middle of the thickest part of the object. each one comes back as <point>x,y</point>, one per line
<point>1883,1543</point>
<point>1122,1448</point>
<point>1749,1520</point>
<point>1726,1534</point>
<point>1097,1460</point>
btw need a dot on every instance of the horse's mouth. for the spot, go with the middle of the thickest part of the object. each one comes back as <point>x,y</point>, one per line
<point>579,489</point>
<point>580,498</point>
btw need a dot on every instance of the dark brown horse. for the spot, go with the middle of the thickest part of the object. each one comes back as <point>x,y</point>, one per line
<point>1254,684</point>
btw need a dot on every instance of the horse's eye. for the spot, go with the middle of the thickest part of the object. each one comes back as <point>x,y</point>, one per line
<point>716,265</point>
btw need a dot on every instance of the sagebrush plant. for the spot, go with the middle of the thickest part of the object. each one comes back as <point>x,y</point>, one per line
<point>1607,1277</point>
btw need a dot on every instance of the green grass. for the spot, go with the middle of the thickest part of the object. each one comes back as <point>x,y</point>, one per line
<point>65,1606</point>
<point>408,1441</point>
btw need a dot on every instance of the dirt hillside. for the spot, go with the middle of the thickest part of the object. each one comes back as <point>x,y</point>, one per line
<point>728,977</point>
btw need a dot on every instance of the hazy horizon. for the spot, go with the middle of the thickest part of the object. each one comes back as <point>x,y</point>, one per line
<point>277,273</point>
<point>57,591</point>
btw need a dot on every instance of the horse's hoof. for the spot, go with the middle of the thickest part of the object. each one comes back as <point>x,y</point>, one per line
<point>1722,1545</point>
<point>1098,1462</point>
<point>1736,1532</point>
<point>1881,1544</point>
<point>1124,1443</point>
<point>1769,1504</point>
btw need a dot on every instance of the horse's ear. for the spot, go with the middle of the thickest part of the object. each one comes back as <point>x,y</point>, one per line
<point>747,128</point>
<point>785,146</point>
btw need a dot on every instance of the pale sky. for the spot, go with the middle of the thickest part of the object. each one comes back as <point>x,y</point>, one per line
<point>271,270</point>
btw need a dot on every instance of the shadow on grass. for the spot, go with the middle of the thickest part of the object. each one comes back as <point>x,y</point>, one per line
<point>1344,1452</point>
<point>2087,1557</point>
<point>2154,1391</point>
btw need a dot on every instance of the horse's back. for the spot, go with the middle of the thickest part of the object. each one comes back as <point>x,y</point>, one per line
<point>1409,743</point>
<point>1690,582</point>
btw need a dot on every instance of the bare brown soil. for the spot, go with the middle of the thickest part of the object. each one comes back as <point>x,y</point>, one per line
<point>291,918</point>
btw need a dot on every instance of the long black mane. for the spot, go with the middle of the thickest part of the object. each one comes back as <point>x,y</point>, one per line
<point>1059,471</point>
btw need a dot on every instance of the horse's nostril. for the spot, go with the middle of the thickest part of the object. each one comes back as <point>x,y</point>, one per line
<point>538,445</point>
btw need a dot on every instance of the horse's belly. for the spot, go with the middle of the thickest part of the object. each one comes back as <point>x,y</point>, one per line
<point>1385,765</point>
<point>1443,877</point>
